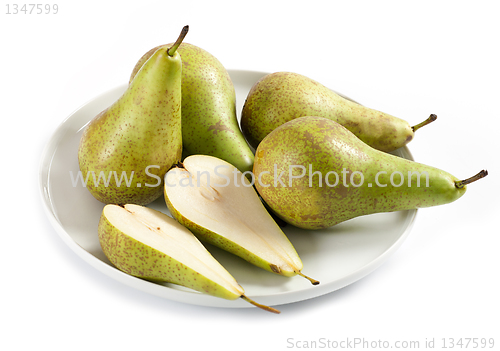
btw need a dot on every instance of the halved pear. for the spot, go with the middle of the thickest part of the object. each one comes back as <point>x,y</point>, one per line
<point>149,244</point>
<point>219,205</point>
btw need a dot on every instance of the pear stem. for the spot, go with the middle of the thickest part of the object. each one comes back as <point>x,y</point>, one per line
<point>431,118</point>
<point>171,51</point>
<point>264,307</point>
<point>313,281</point>
<point>461,183</point>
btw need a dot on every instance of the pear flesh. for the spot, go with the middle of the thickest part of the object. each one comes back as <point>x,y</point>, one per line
<point>218,203</point>
<point>209,121</point>
<point>130,146</point>
<point>148,244</point>
<point>356,179</point>
<point>283,96</point>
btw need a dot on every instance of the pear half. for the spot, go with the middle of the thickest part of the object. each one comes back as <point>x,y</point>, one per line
<point>219,205</point>
<point>148,244</point>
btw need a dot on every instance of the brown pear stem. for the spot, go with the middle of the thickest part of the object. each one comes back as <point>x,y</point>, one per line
<point>431,119</point>
<point>264,307</point>
<point>184,31</point>
<point>461,183</point>
<point>313,281</point>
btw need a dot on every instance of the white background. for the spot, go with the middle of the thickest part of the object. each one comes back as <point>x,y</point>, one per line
<point>408,60</point>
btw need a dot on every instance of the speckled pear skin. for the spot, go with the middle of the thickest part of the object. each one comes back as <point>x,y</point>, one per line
<point>209,122</point>
<point>282,96</point>
<point>327,146</point>
<point>142,128</point>
<point>208,236</point>
<point>142,261</point>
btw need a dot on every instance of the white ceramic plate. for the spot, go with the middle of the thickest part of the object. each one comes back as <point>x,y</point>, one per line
<point>337,256</point>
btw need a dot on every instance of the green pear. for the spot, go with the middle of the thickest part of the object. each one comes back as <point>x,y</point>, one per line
<point>148,244</point>
<point>209,122</point>
<point>282,96</point>
<point>219,205</point>
<point>315,173</point>
<point>127,149</point>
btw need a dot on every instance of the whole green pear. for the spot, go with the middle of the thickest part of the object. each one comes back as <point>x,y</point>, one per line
<point>282,96</point>
<point>209,121</point>
<point>314,173</point>
<point>126,150</point>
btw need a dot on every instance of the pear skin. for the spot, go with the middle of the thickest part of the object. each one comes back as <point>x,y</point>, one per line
<point>209,121</point>
<point>356,179</point>
<point>283,96</point>
<point>138,138</point>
